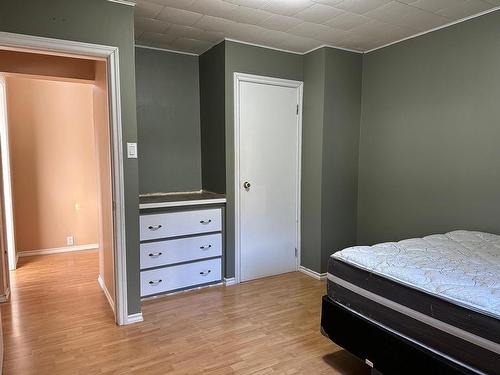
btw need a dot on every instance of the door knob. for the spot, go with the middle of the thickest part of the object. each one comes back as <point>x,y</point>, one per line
<point>247,185</point>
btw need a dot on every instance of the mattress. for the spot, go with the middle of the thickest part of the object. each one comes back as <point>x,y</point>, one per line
<point>441,291</point>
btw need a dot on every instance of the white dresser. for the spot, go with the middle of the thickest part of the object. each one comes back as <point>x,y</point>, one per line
<point>182,243</point>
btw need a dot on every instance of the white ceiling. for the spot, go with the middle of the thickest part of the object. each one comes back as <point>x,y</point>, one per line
<point>295,25</point>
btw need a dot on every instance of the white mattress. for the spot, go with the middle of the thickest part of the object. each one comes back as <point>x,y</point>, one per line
<point>462,267</point>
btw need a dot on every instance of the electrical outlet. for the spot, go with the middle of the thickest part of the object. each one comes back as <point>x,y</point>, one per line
<point>70,240</point>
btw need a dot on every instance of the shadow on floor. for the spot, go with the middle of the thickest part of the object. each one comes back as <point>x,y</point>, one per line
<point>345,363</point>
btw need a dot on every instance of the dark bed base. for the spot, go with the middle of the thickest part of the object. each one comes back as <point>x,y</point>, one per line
<point>389,353</point>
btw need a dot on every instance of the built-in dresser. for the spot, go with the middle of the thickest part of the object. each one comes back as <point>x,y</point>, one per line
<point>182,241</point>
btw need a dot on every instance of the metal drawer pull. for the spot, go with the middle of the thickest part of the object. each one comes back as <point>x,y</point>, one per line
<point>205,273</point>
<point>154,227</point>
<point>155,255</point>
<point>206,247</point>
<point>155,282</point>
<point>205,221</point>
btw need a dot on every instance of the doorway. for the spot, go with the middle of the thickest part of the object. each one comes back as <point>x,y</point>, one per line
<point>268,113</point>
<point>109,153</point>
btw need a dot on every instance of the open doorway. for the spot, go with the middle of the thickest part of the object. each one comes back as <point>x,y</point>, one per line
<point>60,160</point>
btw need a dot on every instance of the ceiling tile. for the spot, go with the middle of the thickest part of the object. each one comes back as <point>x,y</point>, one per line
<point>333,36</point>
<point>181,4</point>
<point>300,44</point>
<point>328,2</point>
<point>464,9</point>
<point>213,23</point>
<point>248,15</point>
<point>361,6</point>
<point>287,7</point>
<point>309,30</point>
<point>407,16</point>
<point>179,16</point>
<point>147,9</point>
<point>348,21</point>
<point>217,8</point>
<point>249,3</point>
<point>195,33</point>
<point>280,23</point>
<point>318,13</point>
<point>191,45</point>
<point>433,5</point>
<point>142,24</point>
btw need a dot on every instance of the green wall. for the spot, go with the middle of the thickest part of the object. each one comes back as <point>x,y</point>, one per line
<point>213,139</point>
<point>100,22</point>
<point>312,158</point>
<point>330,140</point>
<point>340,151</point>
<point>430,131</point>
<point>168,121</point>
<point>243,58</point>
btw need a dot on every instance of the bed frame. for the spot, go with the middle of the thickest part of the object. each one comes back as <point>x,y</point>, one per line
<point>382,349</point>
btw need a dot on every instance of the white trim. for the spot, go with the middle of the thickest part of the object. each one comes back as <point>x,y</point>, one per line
<point>243,77</point>
<point>58,250</point>
<point>182,203</point>
<point>106,292</point>
<point>228,281</point>
<point>289,51</point>
<point>7,180</point>
<point>111,54</point>
<point>5,297</point>
<point>166,50</point>
<point>334,47</point>
<point>436,28</point>
<point>311,273</point>
<point>135,318</point>
<point>124,2</point>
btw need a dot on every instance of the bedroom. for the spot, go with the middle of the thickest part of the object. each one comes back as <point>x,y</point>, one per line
<point>397,142</point>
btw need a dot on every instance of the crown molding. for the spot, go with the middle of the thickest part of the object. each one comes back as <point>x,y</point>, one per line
<point>124,2</point>
<point>166,50</point>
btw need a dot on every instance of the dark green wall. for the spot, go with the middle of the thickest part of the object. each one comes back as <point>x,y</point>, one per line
<point>430,131</point>
<point>168,121</point>
<point>213,120</point>
<point>330,140</point>
<point>243,58</point>
<point>100,22</point>
<point>339,183</point>
<point>312,158</point>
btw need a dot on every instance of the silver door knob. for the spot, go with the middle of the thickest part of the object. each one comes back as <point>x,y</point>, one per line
<point>246,185</point>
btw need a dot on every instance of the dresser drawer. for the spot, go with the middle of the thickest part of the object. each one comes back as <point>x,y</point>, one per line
<point>161,253</point>
<point>182,276</point>
<point>171,224</point>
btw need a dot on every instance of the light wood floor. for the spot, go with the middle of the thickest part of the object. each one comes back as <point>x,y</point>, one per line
<point>58,322</point>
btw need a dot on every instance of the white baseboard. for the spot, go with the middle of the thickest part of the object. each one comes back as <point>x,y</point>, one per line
<point>229,281</point>
<point>5,297</point>
<point>313,274</point>
<point>106,292</point>
<point>134,318</point>
<point>57,250</point>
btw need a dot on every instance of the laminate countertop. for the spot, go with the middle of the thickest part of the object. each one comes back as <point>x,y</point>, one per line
<point>180,199</point>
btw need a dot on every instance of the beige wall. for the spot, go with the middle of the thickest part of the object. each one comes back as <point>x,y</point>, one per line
<point>53,162</point>
<point>104,199</point>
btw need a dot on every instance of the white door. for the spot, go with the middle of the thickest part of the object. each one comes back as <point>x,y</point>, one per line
<point>268,178</point>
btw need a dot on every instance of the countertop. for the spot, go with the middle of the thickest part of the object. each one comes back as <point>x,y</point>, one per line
<point>180,199</point>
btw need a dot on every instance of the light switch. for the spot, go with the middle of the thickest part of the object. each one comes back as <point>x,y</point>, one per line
<point>132,150</point>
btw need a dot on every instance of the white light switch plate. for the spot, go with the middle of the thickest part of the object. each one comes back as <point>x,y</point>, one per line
<point>132,150</point>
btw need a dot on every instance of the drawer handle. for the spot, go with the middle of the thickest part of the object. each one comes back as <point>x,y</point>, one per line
<point>155,282</point>
<point>155,255</point>
<point>154,227</point>
<point>204,222</point>
<point>205,273</point>
<point>206,247</point>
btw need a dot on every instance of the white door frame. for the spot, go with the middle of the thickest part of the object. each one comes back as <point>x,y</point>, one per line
<point>243,77</point>
<point>110,54</point>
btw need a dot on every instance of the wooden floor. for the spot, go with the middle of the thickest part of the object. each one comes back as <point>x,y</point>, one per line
<point>58,322</point>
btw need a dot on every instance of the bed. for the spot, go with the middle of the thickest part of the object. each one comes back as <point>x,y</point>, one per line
<point>423,305</point>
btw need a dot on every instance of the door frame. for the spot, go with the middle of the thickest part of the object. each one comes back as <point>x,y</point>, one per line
<point>299,85</point>
<point>111,55</point>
